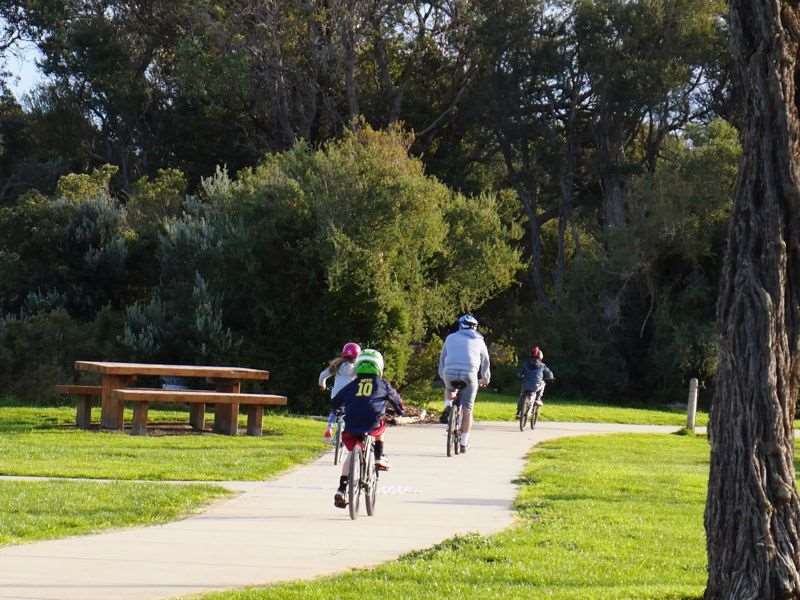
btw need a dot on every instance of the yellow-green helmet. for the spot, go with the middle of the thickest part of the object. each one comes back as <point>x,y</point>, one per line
<point>369,362</point>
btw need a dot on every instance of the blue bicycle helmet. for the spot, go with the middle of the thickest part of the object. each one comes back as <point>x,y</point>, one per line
<point>467,321</point>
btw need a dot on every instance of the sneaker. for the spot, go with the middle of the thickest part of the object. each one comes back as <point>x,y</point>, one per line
<point>538,402</point>
<point>445,415</point>
<point>339,499</point>
<point>382,464</point>
<point>463,449</point>
<point>518,416</point>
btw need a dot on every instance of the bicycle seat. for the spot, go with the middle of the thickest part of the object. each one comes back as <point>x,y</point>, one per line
<point>459,385</point>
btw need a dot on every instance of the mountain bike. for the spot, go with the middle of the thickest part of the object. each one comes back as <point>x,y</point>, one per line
<point>337,437</point>
<point>363,477</point>
<point>454,420</point>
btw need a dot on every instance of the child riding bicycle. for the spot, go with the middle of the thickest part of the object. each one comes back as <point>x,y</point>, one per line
<point>533,373</point>
<point>364,401</point>
<point>342,370</point>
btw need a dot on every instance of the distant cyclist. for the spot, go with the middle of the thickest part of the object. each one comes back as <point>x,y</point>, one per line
<point>533,373</point>
<point>342,369</point>
<point>364,402</point>
<point>464,358</point>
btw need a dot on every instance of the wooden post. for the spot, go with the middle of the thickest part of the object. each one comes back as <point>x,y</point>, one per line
<point>226,416</point>
<point>139,426</point>
<point>197,416</point>
<point>83,414</point>
<point>255,414</point>
<point>692,407</point>
<point>111,416</point>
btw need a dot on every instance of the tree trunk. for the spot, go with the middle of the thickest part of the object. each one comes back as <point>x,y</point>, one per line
<point>567,184</point>
<point>529,202</point>
<point>752,509</point>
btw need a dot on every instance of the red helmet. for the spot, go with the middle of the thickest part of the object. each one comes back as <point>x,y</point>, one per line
<point>351,350</point>
<point>536,353</point>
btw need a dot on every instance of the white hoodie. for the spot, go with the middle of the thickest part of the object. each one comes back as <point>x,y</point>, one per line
<point>465,350</point>
<point>344,375</point>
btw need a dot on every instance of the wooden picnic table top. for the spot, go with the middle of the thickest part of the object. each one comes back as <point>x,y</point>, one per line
<point>120,368</point>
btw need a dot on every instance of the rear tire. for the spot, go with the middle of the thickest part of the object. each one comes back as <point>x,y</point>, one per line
<point>452,437</point>
<point>354,482</point>
<point>371,475</point>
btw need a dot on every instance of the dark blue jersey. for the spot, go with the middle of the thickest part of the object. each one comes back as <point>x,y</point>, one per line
<point>364,400</point>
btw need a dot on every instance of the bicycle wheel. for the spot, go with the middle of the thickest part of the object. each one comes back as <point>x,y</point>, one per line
<point>371,476</point>
<point>534,416</point>
<point>457,430</point>
<point>337,443</point>
<point>523,415</point>
<point>452,433</point>
<point>354,482</point>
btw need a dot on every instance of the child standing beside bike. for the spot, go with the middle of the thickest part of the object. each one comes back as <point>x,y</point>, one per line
<point>364,402</point>
<point>533,373</point>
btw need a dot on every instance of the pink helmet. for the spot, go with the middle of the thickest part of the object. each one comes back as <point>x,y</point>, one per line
<point>351,350</point>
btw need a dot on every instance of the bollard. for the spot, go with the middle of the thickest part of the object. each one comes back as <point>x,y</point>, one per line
<point>692,407</point>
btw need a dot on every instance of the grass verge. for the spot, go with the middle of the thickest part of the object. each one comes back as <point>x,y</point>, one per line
<point>492,406</point>
<point>40,442</point>
<point>37,510</point>
<point>597,522</point>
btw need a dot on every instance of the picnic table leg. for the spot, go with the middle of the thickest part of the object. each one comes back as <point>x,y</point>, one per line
<point>139,426</point>
<point>255,413</point>
<point>111,416</point>
<point>197,416</point>
<point>83,415</point>
<point>226,416</point>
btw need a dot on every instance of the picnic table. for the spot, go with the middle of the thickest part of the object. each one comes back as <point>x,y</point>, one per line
<point>116,379</point>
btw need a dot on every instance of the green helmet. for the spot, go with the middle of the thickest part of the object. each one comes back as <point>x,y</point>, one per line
<point>369,362</point>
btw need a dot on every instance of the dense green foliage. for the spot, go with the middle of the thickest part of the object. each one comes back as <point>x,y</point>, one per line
<point>216,181</point>
<point>596,523</point>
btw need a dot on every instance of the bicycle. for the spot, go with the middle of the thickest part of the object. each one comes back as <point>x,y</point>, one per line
<point>337,437</point>
<point>363,477</point>
<point>454,421</point>
<point>530,409</point>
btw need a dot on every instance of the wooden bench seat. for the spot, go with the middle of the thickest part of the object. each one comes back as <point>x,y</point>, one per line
<point>254,404</point>
<point>85,395</point>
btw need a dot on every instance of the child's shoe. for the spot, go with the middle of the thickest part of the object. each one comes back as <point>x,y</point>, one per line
<point>339,499</point>
<point>382,464</point>
<point>538,402</point>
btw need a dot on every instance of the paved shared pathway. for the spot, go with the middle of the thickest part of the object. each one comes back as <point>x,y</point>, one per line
<point>287,528</point>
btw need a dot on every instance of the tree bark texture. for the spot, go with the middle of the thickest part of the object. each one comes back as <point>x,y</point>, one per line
<point>752,510</point>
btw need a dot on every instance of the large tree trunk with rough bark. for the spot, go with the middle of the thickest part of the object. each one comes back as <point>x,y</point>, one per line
<point>752,511</point>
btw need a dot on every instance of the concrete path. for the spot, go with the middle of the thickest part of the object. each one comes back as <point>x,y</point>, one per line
<point>288,528</point>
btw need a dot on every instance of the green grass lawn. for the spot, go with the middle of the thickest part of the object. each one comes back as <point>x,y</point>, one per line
<point>596,521</point>
<point>492,406</point>
<point>36,510</point>
<point>40,441</point>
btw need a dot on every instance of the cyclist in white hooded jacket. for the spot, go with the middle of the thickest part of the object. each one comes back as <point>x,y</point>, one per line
<point>464,358</point>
